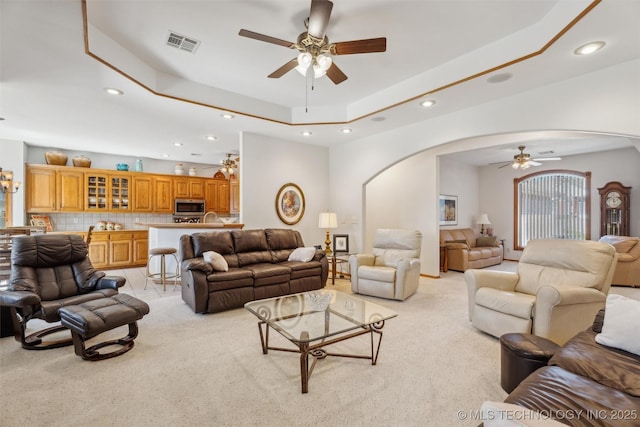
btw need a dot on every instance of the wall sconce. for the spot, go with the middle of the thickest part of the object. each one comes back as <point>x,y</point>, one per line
<point>328,220</point>
<point>6,179</point>
<point>483,220</point>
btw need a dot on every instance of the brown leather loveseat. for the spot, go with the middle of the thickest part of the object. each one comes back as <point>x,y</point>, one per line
<point>465,250</point>
<point>257,266</point>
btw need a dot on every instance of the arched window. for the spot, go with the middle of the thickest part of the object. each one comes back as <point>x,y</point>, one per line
<point>553,204</point>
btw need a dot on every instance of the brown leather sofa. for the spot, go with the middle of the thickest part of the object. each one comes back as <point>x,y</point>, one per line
<point>585,384</point>
<point>258,267</point>
<point>628,266</point>
<point>465,250</point>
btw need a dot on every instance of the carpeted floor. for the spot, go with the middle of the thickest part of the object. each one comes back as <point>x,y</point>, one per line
<point>434,369</point>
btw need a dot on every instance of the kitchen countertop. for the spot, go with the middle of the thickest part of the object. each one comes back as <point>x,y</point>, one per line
<point>187,225</point>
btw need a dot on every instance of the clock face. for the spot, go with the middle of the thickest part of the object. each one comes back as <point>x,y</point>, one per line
<point>613,199</point>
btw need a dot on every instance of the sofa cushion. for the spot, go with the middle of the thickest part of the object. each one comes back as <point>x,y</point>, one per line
<point>379,273</point>
<point>249,241</point>
<point>234,278</point>
<point>515,304</point>
<point>613,368</point>
<point>269,274</point>
<point>303,269</point>
<point>217,241</point>
<point>621,322</point>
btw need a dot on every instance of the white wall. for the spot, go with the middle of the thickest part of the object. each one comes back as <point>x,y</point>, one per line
<point>610,105</point>
<point>497,189</point>
<point>13,159</point>
<point>267,165</point>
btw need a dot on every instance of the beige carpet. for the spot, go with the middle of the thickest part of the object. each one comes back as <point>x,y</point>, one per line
<point>188,369</point>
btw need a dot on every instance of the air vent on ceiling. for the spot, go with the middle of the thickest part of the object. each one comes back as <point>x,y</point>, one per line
<point>182,42</point>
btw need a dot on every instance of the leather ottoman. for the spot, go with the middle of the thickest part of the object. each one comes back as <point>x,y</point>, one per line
<point>92,318</point>
<point>520,355</point>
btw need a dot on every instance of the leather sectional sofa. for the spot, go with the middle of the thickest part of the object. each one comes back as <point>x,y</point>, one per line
<point>258,267</point>
<point>465,250</point>
<point>584,384</point>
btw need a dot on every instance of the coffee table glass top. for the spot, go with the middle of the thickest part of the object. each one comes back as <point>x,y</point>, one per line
<point>291,315</point>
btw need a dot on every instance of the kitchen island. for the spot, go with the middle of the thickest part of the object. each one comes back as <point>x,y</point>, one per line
<point>167,235</point>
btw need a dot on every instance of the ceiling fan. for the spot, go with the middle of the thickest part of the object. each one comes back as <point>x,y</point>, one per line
<point>524,161</point>
<point>314,47</point>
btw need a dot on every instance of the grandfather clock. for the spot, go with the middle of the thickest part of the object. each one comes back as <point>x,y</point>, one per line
<point>614,209</point>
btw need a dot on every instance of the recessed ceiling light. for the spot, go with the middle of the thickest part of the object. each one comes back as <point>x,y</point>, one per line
<point>165,155</point>
<point>305,133</point>
<point>428,103</point>
<point>178,144</point>
<point>113,91</point>
<point>499,78</point>
<point>227,116</point>
<point>346,130</point>
<point>589,48</point>
<point>211,137</point>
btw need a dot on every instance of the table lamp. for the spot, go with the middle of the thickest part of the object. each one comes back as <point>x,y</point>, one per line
<point>328,220</point>
<point>482,220</point>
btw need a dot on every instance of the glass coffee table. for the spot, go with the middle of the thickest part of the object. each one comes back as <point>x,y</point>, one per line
<point>314,320</point>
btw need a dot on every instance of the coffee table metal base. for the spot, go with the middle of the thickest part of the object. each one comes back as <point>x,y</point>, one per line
<point>317,351</point>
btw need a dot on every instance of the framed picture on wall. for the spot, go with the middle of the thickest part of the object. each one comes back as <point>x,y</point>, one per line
<point>341,243</point>
<point>448,210</point>
<point>290,203</point>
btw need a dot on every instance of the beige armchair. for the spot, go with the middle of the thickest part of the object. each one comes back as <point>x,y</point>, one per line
<point>392,270</point>
<point>628,266</point>
<point>559,287</point>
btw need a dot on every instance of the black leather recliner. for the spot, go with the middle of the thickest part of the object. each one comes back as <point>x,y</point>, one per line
<point>48,272</point>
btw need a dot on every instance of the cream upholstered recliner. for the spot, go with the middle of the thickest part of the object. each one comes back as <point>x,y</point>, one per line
<point>628,266</point>
<point>559,287</point>
<point>392,270</point>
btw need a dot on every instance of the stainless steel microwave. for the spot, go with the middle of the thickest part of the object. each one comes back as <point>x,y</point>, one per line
<point>189,207</point>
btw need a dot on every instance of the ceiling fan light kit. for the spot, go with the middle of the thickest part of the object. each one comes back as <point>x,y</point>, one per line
<point>314,46</point>
<point>524,161</point>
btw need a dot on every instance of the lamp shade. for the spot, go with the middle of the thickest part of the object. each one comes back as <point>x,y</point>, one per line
<point>483,219</point>
<point>328,220</point>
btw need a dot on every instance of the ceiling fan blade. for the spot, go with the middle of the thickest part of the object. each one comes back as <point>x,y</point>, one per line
<point>505,165</point>
<point>263,38</point>
<point>534,163</point>
<point>359,46</point>
<point>284,69</point>
<point>335,74</point>
<point>319,15</point>
<point>544,159</point>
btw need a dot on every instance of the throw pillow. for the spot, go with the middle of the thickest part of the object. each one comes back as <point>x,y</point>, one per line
<point>303,254</point>
<point>486,241</point>
<point>620,327</point>
<point>216,260</point>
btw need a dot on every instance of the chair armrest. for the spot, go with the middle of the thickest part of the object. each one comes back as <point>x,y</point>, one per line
<point>560,313</point>
<point>18,298</point>
<point>320,253</point>
<point>453,246</point>
<point>111,282</point>
<point>356,261</point>
<point>476,279</point>
<point>197,264</point>
<point>407,275</point>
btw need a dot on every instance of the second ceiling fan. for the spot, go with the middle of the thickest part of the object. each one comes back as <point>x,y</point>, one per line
<point>524,161</point>
<point>314,47</point>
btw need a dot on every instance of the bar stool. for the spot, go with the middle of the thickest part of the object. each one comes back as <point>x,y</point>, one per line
<point>163,252</point>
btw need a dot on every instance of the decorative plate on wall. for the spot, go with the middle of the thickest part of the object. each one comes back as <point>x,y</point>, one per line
<point>290,203</point>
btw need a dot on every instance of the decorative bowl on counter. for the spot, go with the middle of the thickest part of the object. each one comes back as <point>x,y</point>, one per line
<point>81,162</point>
<point>55,158</point>
<point>122,167</point>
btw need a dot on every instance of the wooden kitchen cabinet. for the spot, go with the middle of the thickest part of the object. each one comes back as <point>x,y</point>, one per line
<point>58,189</point>
<point>189,188</point>
<point>234,196</point>
<point>217,195</point>
<point>69,190</point>
<point>42,178</point>
<point>142,188</point>
<point>163,196</point>
<point>118,249</point>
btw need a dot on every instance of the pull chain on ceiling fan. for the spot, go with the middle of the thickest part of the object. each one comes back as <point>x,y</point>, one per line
<point>314,47</point>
